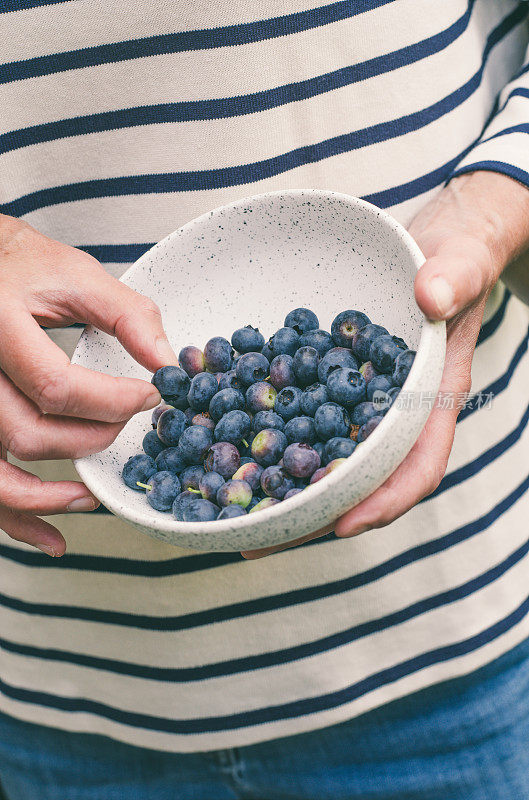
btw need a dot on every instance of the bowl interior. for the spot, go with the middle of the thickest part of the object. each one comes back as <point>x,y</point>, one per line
<point>250,263</point>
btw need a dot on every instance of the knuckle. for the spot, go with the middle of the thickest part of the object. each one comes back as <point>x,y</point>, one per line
<point>50,393</point>
<point>148,306</point>
<point>22,445</point>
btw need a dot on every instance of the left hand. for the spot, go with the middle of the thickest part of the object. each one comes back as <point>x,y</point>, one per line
<point>469,233</point>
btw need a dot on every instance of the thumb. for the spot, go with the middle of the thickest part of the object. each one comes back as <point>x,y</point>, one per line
<point>133,318</point>
<point>456,275</point>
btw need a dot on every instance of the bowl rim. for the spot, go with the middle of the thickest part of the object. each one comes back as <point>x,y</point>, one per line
<point>431,332</point>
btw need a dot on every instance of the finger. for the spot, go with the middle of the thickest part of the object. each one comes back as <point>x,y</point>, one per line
<point>132,317</point>
<point>33,531</point>
<point>43,372</point>
<point>251,555</point>
<point>456,275</point>
<point>22,491</point>
<point>31,436</point>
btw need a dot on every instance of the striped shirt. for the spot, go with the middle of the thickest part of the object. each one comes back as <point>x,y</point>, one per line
<point>121,122</point>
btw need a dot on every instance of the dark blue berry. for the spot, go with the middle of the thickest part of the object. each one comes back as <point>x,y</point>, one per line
<point>361,413</point>
<point>367,429</point>
<point>191,476</point>
<point>346,386</point>
<point>403,364</point>
<point>194,443</point>
<point>230,512</point>
<point>247,340</point>
<point>362,341</point>
<point>152,444</point>
<point>138,468</point>
<point>335,359</point>
<point>346,325</point>
<point>285,340</point>
<point>383,353</point>
<point>331,420</point>
<point>287,402</point>
<point>268,446</point>
<point>305,365</point>
<point>276,482</point>
<point>380,383</point>
<point>182,500</point>
<point>302,320</point>
<point>164,488</point>
<point>171,459</point>
<point>171,425</point>
<point>229,380</point>
<point>301,429</point>
<point>337,447</point>
<point>209,484</point>
<point>312,398</point>
<point>218,354</point>
<point>267,419</point>
<point>157,413</point>
<point>322,341</point>
<point>173,384</point>
<point>199,510</point>
<point>251,368</point>
<point>224,401</point>
<point>233,427</point>
<point>203,388</point>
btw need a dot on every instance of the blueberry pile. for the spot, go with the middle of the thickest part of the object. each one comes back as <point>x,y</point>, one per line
<point>247,424</point>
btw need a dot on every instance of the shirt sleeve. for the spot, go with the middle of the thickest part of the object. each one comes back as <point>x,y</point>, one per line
<point>504,143</point>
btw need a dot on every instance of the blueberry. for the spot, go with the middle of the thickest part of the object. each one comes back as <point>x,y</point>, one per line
<point>368,428</point>
<point>260,396</point>
<point>302,320</point>
<point>199,510</point>
<point>362,341</point>
<point>276,482</point>
<point>173,385</point>
<point>312,398</point>
<point>182,500</point>
<point>322,341</point>
<point>203,388</point>
<point>251,473</point>
<point>337,447</point>
<point>162,490</point>
<point>267,352</point>
<point>305,365</point>
<point>333,360</point>
<point>170,426</point>
<point>380,383</point>
<point>233,427</point>
<point>301,429</point>
<point>192,360</point>
<point>367,371</point>
<point>362,412</point>
<point>292,493</point>
<point>403,364</point>
<point>383,353</point>
<point>218,354</point>
<point>331,420</point>
<point>171,459</point>
<point>282,371</point>
<point>224,401</point>
<point>247,340</point>
<point>157,413</point>
<point>285,340</point>
<point>301,460</point>
<point>390,398</point>
<point>152,445</point>
<point>251,368</point>
<point>138,468</point>
<point>189,414</point>
<point>203,419</point>
<point>191,476</point>
<point>263,504</point>
<point>209,484</point>
<point>346,386</point>
<point>346,325</point>
<point>229,380</point>
<point>230,512</point>
<point>268,446</point>
<point>267,419</point>
<point>194,443</point>
<point>318,447</point>
<point>287,402</point>
<point>316,476</point>
<point>247,460</point>
<point>234,492</point>
<point>224,458</point>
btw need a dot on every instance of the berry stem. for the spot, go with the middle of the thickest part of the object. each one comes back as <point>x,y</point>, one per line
<point>143,485</point>
<point>195,491</point>
<point>244,442</point>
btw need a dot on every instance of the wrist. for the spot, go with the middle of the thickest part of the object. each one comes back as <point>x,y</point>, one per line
<point>494,208</point>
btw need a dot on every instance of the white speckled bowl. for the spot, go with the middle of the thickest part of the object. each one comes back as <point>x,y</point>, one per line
<point>251,262</point>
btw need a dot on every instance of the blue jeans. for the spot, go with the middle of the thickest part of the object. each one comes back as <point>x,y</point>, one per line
<point>466,739</point>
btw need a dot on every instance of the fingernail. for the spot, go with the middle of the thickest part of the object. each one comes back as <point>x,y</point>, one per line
<point>152,400</point>
<point>442,294</point>
<point>49,549</point>
<point>82,504</point>
<point>165,351</point>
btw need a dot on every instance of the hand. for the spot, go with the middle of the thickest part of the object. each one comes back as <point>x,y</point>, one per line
<point>50,408</point>
<point>469,233</point>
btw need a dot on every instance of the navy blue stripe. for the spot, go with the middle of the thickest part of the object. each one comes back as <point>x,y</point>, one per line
<point>286,655</point>
<point>272,602</point>
<point>273,713</point>
<point>491,326</point>
<point>184,41</point>
<point>117,253</point>
<point>20,5</point>
<point>236,106</point>
<point>512,171</point>
<point>499,385</point>
<point>521,128</point>
<point>473,467</point>
<point>249,173</point>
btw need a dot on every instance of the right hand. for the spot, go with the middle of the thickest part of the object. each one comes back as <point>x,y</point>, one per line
<point>49,408</point>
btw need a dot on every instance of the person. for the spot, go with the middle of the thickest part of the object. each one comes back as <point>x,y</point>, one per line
<point>392,664</point>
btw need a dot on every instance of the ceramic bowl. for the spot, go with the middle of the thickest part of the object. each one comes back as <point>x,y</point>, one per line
<point>250,262</point>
